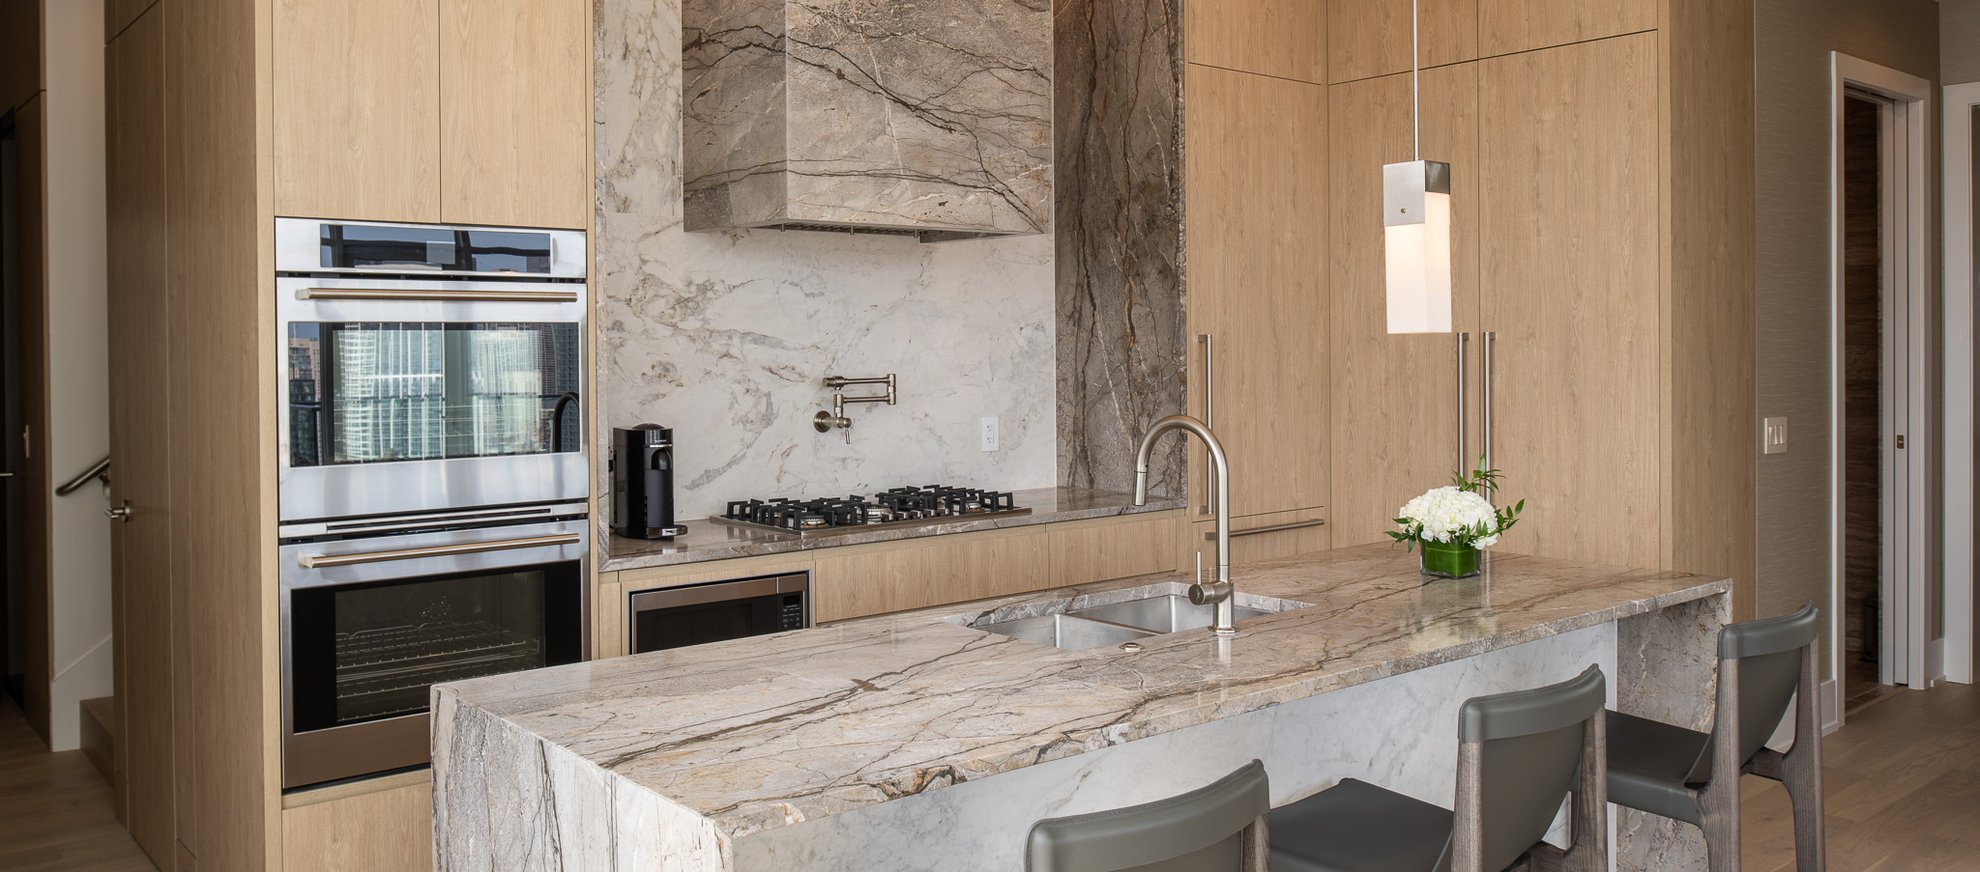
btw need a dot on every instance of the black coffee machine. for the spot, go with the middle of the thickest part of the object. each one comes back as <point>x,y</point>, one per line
<point>642,464</point>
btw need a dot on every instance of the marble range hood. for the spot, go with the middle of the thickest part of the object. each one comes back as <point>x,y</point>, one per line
<point>930,118</point>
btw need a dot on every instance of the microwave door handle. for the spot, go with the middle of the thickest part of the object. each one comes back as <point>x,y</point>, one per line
<point>326,561</point>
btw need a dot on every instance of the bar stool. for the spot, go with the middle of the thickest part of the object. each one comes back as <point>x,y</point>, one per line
<point>1216,828</point>
<point>1520,755</point>
<point>1671,771</point>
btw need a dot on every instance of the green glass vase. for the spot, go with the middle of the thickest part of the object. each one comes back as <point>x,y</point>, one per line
<point>1445,560</point>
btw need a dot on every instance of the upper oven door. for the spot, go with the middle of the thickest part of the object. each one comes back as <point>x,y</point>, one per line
<point>406,396</point>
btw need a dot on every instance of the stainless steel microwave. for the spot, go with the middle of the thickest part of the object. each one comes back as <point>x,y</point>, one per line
<point>427,367</point>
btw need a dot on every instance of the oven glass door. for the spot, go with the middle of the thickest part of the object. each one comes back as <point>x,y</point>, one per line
<point>366,652</point>
<point>386,391</point>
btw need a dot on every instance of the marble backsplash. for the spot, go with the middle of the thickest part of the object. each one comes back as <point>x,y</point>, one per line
<point>725,336</point>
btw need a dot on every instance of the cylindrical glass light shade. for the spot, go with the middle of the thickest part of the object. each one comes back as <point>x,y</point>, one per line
<point>1416,220</point>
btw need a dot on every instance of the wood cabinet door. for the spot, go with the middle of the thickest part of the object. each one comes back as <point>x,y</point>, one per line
<point>361,832</point>
<point>1507,26</point>
<point>1257,285</point>
<point>515,89</point>
<point>1396,402</point>
<point>1259,539</point>
<point>1283,38</point>
<point>1368,38</point>
<point>874,579</point>
<point>1568,266</point>
<point>356,109</point>
<point>140,401</point>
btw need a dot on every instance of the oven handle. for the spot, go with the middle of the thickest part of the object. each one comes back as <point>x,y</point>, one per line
<point>325,561</point>
<point>438,295</point>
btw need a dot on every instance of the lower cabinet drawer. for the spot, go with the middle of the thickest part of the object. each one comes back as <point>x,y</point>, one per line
<point>1261,537</point>
<point>384,824</point>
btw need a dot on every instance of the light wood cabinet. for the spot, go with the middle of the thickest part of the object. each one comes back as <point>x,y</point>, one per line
<point>139,301</point>
<point>1569,273</point>
<point>381,824</point>
<point>356,101</point>
<point>1396,398</point>
<point>1367,38</point>
<point>1283,38</point>
<point>1260,538</point>
<point>1507,26</point>
<point>1114,548</point>
<point>515,93</point>
<point>1257,242</point>
<point>464,111</point>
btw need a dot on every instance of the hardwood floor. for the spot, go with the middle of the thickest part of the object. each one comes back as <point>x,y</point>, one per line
<point>55,810</point>
<point>1902,782</point>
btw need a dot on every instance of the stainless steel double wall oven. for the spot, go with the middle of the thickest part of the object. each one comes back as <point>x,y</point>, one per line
<point>433,482</point>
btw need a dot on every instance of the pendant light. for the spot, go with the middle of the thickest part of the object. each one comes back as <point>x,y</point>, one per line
<point>1416,225</point>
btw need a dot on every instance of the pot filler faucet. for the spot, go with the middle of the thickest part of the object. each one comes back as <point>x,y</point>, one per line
<point>1220,591</point>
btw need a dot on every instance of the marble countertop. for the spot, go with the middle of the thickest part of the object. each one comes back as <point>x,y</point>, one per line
<point>770,731</point>
<point>708,540</point>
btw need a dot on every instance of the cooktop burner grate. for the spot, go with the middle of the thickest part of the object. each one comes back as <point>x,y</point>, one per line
<point>898,507</point>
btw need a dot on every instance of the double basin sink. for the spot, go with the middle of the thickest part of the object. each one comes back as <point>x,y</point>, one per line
<point>1114,623</point>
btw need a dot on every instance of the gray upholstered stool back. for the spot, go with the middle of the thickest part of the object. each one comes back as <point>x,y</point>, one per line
<point>1768,655</point>
<point>1518,758</point>
<point>1218,828</point>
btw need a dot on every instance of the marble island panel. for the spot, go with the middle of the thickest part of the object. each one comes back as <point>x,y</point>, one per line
<point>832,746</point>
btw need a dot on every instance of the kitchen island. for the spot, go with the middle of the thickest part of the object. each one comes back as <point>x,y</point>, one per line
<point>917,741</point>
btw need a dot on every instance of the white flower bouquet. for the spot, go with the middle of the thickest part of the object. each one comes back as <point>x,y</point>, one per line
<point>1452,522</point>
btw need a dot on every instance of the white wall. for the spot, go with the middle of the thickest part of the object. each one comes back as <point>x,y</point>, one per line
<point>79,392</point>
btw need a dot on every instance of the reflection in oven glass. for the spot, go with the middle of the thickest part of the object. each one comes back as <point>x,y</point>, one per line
<point>392,643</point>
<point>385,392</point>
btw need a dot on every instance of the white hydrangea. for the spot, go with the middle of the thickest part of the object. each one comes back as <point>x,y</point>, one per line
<point>1447,513</point>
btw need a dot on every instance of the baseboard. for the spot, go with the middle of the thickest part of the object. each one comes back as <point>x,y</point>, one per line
<point>99,735</point>
<point>1832,706</point>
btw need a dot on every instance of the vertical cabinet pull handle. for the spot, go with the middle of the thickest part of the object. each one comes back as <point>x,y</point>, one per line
<point>1485,416</point>
<point>1209,418</point>
<point>1463,351</point>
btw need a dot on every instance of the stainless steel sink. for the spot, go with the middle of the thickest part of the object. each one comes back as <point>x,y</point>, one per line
<point>1068,632</point>
<point>1161,614</point>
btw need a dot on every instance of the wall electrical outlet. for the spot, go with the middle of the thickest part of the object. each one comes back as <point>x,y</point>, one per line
<point>1773,439</point>
<point>987,434</point>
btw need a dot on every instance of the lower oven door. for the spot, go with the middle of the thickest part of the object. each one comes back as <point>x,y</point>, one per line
<point>369,625</point>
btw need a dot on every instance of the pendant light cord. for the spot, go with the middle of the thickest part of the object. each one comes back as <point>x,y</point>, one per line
<point>1415,86</point>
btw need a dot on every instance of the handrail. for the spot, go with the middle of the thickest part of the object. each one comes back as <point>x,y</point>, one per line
<point>99,469</point>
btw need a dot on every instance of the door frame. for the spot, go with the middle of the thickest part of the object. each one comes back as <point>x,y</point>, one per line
<point>1908,278</point>
<point>1961,101</point>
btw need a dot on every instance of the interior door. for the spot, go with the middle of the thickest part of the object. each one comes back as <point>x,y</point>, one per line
<point>1397,407</point>
<point>140,395</point>
<point>1569,276</point>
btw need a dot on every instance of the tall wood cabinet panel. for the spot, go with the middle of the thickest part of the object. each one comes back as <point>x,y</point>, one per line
<point>118,14</point>
<point>514,101</point>
<point>1395,398</point>
<point>1506,26</point>
<point>356,101</point>
<point>1257,218</point>
<point>1568,196</point>
<point>139,301</point>
<point>1283,38</point>
<point>1368,38</point>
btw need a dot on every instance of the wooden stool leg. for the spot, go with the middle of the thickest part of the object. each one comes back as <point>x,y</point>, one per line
<point>1801,772</point>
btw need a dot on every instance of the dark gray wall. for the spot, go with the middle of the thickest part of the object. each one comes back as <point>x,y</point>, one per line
<point>1792,94</point>
<point>1959,41</point>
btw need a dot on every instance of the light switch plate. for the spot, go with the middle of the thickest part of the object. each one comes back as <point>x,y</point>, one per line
<point>1774,436</point>
<point>987,440</point>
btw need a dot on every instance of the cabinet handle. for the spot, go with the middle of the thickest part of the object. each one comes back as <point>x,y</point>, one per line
<point>1463,351</point>
<point>1209,419</point>
<point>1485,417</point>
<point>1275,528</point>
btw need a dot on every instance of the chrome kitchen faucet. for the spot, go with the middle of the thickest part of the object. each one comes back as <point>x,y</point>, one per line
<point>1220,591</point>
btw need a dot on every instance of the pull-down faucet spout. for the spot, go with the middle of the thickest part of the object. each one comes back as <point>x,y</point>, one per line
<point>1220,591</point>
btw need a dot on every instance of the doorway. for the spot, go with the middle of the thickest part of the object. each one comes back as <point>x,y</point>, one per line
<point>1882,612</point>
<point>1962,268</point>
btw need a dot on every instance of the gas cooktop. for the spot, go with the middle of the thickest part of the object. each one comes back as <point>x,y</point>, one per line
<point>899,507</point>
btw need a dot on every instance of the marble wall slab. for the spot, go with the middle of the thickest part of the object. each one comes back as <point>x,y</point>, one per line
<point>930,114</point>
<point>725,336</point>
<point>1120,237</point>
